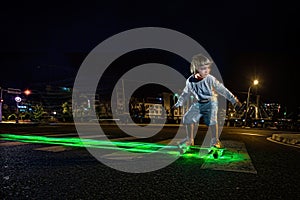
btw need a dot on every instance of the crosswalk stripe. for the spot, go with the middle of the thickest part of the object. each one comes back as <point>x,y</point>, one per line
<point>251,134</point>
<point>59,134</point>
<point>67,134</point>
<point>53,148</point>
<point>8,144</point>
<point>93,136</point>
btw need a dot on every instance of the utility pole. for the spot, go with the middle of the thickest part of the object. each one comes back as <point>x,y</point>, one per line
<point>255,82</point>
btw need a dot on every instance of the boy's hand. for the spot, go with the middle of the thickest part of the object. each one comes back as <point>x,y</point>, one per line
<point>237,105</point>
<point>174,107</point>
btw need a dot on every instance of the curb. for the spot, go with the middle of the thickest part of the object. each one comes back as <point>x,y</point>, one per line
<point>287,138</point>
<point>286,144</point>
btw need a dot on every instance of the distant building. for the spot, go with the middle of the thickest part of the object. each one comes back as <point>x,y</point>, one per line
<point>273,110</point>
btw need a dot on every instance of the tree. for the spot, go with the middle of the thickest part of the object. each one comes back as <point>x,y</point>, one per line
<point>67,112</point>
<point>38,112</point>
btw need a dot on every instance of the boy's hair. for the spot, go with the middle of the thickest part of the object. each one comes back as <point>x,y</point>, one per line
<point>199,60</point>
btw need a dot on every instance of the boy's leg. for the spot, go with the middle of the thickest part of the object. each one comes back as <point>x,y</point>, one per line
<point>214,132</point>
<point>191,117</point>
<point>213,126</point>
<point>190,133</point>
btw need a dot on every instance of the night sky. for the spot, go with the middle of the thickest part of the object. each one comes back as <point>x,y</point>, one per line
<point>45,42</point>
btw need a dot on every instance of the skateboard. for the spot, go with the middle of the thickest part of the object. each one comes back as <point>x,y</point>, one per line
<point>204,152</point>
<point>216,152</point>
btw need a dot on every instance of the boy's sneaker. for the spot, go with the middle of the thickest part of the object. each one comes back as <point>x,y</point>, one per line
<point>185,145</point>
<point>191,141</point>
<point>218,144</point>
<point>215,143</point>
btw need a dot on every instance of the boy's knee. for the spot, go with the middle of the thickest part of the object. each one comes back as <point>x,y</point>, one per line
<point>212,123</point>
<point>187,120</point>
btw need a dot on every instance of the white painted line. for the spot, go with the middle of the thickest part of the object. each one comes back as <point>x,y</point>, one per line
<point>69,134</point>
<point>93,136</point>
<point>119,155</point>
<point>251,134</point>
<point>59,134</point>
<point>8,144</point>
<point>53,148</point>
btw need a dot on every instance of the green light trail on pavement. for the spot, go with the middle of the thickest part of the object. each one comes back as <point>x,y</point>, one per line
<point>139,147</point>
<point>129,146</point>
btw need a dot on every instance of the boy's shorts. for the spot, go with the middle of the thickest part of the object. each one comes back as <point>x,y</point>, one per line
<point>207,110</point>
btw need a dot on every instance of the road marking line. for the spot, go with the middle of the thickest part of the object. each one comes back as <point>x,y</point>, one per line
<point>8,144</point>
<point>59,134</point>
<point>119,155</point>
<point>53,148</point>
<point>93,136</point>
<point>65,134</point>
<point>251,134</point>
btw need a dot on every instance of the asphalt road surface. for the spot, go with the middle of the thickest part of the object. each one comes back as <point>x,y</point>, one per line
<point>39,170</point>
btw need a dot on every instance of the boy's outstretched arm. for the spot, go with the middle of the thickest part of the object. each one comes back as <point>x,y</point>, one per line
<point>237,105</point>
<point>221,89</point>
<point>183,96</point>
<point>175,106</point>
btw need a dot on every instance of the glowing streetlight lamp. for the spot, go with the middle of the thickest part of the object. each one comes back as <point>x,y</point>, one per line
<point>255,82</point>
<point>27,92</point>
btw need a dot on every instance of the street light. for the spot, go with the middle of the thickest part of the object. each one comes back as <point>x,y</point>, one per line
<point>27,92</point>
<point>18,100</point>
<point>255,82</point>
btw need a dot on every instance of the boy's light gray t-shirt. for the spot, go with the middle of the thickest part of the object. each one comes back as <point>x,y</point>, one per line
<point>206,89</point>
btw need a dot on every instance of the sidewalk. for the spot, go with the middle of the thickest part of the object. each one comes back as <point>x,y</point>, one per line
<point>292,139</point>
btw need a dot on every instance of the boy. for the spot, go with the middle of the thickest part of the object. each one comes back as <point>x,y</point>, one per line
<point>205,88</point>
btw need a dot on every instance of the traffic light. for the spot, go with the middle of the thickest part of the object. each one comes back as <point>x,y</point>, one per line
<point>1,100</point>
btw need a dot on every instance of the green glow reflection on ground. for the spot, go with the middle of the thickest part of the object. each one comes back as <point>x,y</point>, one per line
<point>137,147</point>
<point>229,156</point>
